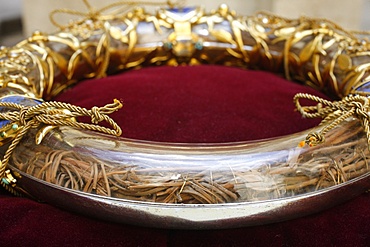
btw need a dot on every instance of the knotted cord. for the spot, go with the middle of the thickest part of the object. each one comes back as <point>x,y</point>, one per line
<point>55,114</point>
<point>333,113</point>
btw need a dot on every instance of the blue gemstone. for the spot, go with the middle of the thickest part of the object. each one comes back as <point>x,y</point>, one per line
<point>364,88</point>
<point>198,45</point>
<point>5,181</point>
<point>181,11</point>
<point>17,99</point>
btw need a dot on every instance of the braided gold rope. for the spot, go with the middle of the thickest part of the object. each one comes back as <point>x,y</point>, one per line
<point>334,113</point>
<point>55,114</point>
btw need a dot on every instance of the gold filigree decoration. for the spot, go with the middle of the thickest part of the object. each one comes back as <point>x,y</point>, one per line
<point>94,18</point>
<point>315,51</point>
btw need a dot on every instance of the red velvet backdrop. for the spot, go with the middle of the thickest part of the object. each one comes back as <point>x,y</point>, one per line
<point>189,104</point>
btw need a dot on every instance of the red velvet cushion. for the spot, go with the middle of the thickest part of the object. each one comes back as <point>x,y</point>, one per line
<point>189,104</point>
<point>197,104</point>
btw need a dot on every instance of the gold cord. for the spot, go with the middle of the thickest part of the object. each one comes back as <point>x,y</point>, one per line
<point>98,14</point>
<point>334,113</point>
<point>55,114</point>
<point>303,19</point>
